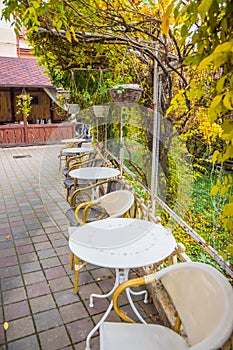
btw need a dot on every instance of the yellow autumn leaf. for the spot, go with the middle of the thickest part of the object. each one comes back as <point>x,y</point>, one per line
<point>216,101</point>
<point>6,326</point>
<point>223,190</point>
<point>166,19</point>
<point>68,36</point>
<point>228,209</point>
<point>227,101</point>
<point>214,190</point>
<point>229,248</point>
<point>223,255</point>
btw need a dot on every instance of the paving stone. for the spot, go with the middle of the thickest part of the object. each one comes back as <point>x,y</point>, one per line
<point>7,252</point>
<point>34,277</point>
<point>44,254</point>
<point>54,339</point>
<point>47,319</point>
<point>50,262</point>
<point>102,273</point>
<point>56,236</point>
<point>25,249</point>
<point>42,303</point>
<point>20,328</point>
<point>59,284</point>
<point>24,241</point>
<point>55,272</point>
<point>37,232</point>
<point>33,226</point>
<point>28,343</point>
<point>14,295</point>
<point>94,344</point>
<point>2,335</point>
<point>60,242</point>
<point>7,243</point>
<point>43,246</point>
<point>29,257</point>
<point>9,271</point>
<point>79,330</point>
<point>63,250</point>
<point>40,238</point>
<point>65,259</point>
<point>8,261</point>
<point>73,312</point>
<point>37,289</point>
<point>11,283</point>
<point>100,305</point>
<point>84,278</point>
<point>86,290</point>
<point>106,285</point>
<point>16,310</point>
<point>30,266</point>
<point>50,229</point>
<point>65,297</point>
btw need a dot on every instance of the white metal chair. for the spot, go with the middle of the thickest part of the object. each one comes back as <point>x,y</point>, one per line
<point>114,204</point>
<point>203,298</point>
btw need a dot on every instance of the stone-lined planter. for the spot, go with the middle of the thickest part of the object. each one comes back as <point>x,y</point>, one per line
<point>126,93</point>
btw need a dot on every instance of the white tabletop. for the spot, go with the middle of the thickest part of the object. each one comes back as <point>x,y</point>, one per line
<point>94,173</point>
<point>76,150</point>
<point>73,140</point>
<point>122,242</point>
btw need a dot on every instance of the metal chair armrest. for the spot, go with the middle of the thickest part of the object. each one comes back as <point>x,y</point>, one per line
<point>135,282</point>
<point>76,158</point>
<point>83,189</point>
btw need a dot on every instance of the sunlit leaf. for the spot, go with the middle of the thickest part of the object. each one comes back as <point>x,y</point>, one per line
<point>167,18</point>
<point>214,190</point>
<point>6,326</point>
<point>204,7</point>
<point>216,100</point>
<point>223,255</point>
<point>229,249</point>
<point>68,36</point>
<point>227,101</point>
<point>228,209</point>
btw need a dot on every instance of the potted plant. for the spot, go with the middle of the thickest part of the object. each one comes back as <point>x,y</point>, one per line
<point>23,104</point>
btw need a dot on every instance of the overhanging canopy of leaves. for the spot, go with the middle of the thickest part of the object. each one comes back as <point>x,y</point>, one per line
<point>117,35</point>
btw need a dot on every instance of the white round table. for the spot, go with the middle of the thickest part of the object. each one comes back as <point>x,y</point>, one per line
<point>75,150</point>
<point>94,173</point>
<point>122,244</point>
<point>74,140</point>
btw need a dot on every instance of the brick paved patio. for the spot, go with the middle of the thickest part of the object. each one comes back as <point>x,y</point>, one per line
<point>36,284</point>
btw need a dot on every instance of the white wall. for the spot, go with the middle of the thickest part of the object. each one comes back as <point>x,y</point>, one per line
<point>8,41</point>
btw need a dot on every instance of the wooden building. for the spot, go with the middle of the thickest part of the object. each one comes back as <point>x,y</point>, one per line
<point>23,74</point>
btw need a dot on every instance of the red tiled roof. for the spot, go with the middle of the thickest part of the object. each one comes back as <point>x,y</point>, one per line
<point>22,72</point>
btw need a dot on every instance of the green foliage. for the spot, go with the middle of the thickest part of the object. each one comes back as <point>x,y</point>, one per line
<point>23,104</point>
<point>208,28</point>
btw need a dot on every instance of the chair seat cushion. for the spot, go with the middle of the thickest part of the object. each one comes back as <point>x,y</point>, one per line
<point>69,182</point>
<point>65,171</point>
<point>93,215</point>
<point>125,336</point>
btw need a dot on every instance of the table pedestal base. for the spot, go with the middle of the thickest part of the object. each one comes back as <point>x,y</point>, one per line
<point>121,276</point>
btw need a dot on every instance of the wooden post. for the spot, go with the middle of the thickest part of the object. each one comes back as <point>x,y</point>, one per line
<point>25,124</point>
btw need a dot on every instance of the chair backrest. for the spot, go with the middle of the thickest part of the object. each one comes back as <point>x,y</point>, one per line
<point>115,185</point>
<point>88,145</point>
<point>203,298</point>
<point>97,162</point>
<point>117,203</point>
